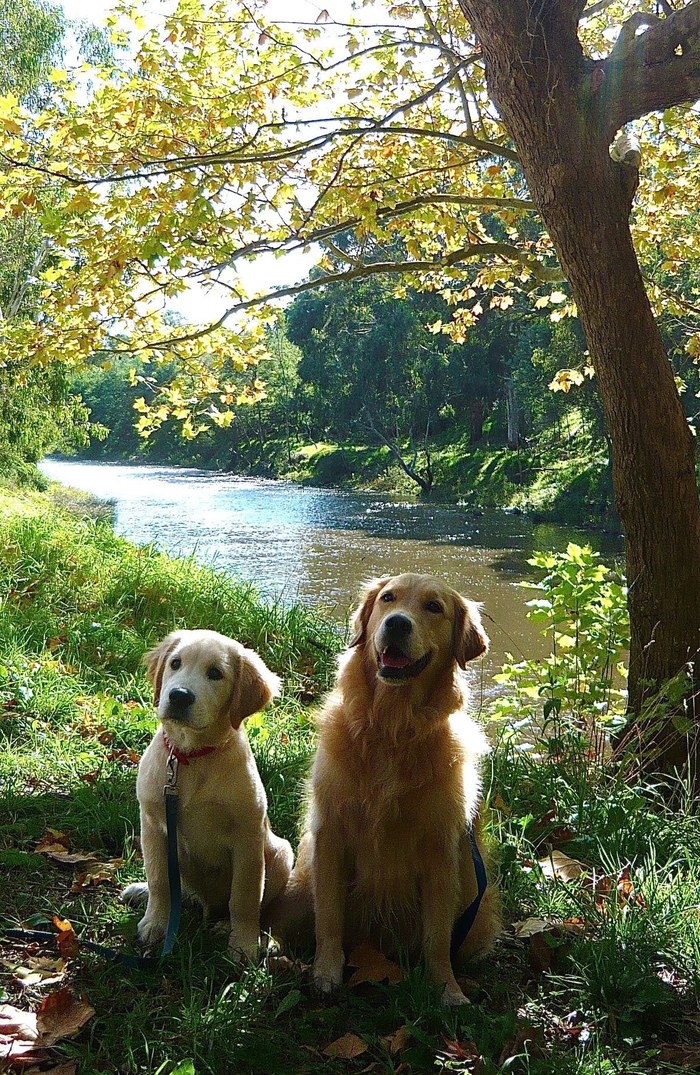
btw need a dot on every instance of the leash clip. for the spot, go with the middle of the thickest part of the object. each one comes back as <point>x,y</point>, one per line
<point>171,782</point>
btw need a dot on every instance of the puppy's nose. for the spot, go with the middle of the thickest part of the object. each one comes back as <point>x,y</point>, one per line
<point>180,699</point>
<point>397,626</point>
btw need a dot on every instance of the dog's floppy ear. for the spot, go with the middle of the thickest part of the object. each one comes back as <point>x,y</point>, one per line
<point>255,686</point>
<point>361,615</point>
<point>470,638</point>
<point>156,660</point>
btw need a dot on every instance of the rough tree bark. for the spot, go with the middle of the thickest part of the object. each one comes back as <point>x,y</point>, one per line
<point>563,110</point>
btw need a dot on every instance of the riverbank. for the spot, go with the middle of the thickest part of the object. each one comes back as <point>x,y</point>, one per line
<point>547,485</point>
<point>600,975</point>
<point>546,480</point>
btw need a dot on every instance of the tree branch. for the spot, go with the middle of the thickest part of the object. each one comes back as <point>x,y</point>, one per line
<point>654,64</point>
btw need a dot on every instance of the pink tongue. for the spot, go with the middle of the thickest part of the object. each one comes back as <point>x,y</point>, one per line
<point>394,660</point>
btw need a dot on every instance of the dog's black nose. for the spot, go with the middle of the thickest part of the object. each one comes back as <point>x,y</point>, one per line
<point>180,699</point>
<point>397,626</point>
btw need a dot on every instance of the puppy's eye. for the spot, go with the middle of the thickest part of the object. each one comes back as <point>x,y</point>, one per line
<point>388,596</point>
<point>433,606</point>
<point>175,663</point>
<point>214,673</point>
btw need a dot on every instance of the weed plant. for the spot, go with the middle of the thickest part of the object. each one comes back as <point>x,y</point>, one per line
<point>596,974</point>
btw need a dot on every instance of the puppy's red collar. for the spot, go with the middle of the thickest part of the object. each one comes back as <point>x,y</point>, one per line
<point>180,754</point>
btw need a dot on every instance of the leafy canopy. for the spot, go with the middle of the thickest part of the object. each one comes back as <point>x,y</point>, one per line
<point>217,135</point>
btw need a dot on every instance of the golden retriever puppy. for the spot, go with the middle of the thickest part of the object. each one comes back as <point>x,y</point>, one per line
<point>395,790</point>
<point>230,860</point>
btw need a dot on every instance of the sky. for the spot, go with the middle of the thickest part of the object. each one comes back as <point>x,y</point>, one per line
<point>265,272</point>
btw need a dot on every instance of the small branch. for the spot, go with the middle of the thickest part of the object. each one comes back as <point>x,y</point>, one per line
<point>651,70</point>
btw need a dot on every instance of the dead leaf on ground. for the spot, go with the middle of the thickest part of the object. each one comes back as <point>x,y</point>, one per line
<point>346,1048</point>
<point>62,1015</point>
<point>19,1036</point>
<point>66,939</point>
<point>372,966</point>
<point>529,927</point>
<point>559,866</point>
<point>397,1041</point>
<point>70,858</point>
<point>102,872</point>
<point>466,1052</point>
<point>683,1056</point>
<point>36,970</point>
<point>53,840</point>
<point>125,756</point>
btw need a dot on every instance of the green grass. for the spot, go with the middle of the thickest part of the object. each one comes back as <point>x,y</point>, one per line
<point>614,992</point>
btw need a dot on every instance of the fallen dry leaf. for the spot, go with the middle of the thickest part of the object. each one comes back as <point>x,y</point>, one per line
<point>346,1048</point>
<point>559,866</point>
<point>17,1024</point>
<point>683,1056</point>
<point>70,858</point>
<point>530,926</point>
<point>37,970</point>
<point>372,966</point>
<point>62,1015</point>
<point>466,1052</point>
<point>53,840</point>
<point>101,872</point>
<point>125,756</point>
<point>397,1041</point>
<point>66,939</point>
<point>18,1036</point>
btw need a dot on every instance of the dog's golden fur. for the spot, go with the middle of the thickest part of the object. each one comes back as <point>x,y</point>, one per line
<point>394,790</point>
<point>230,859</point>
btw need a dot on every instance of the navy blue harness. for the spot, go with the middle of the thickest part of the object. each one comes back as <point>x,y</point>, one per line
<point>466,920</point>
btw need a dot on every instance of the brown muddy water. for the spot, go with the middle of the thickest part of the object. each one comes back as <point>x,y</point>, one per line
<point>298,543</point>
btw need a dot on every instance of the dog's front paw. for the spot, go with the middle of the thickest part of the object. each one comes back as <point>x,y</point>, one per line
<point>328,972</point>
<point>244,943</point>
<point>135,893</point>
<point>151,930</point>
<point>453,996</point>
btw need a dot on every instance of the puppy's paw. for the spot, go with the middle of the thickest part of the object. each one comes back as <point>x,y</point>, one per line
<point>151,930</point>
<point>453,996</point>
<point>328,973</point>
<point>244,943</point>
<point>134,894</point>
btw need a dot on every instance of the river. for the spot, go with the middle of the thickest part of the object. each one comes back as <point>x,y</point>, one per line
<point>318,545</point>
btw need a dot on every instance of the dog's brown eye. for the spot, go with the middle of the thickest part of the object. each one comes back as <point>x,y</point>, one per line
<point>214,673</point>
<point>388,596</point>
<point>433,606</point>
<point>175,663</point>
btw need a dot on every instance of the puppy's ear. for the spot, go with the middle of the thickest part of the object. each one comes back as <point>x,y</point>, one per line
<point>156,660</point>
<point>361,615</point>
<point>470,638</point>
<point>256,686</point>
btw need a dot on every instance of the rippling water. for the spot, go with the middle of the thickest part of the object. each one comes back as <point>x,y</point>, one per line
<point>318,545</point>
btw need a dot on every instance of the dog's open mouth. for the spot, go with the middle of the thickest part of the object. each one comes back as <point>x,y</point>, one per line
<point>394,664</point>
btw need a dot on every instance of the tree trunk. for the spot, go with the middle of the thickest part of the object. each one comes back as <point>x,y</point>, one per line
<point>512,415</point>
<point>477,413</point>
<point>544,89</point>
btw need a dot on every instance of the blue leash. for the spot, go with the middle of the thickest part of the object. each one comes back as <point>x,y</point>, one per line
<point>125,959</point>
<point>171,796</point>
<point>466,920</point>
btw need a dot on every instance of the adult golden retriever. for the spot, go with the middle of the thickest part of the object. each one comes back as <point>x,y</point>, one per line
<point>230,860</point>
<point>395,790</point>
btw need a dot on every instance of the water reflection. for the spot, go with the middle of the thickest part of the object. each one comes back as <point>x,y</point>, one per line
<point>318,545</point>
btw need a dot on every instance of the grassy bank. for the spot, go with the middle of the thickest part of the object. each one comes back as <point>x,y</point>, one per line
<point>601,975</point>
<point>546,480</point>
